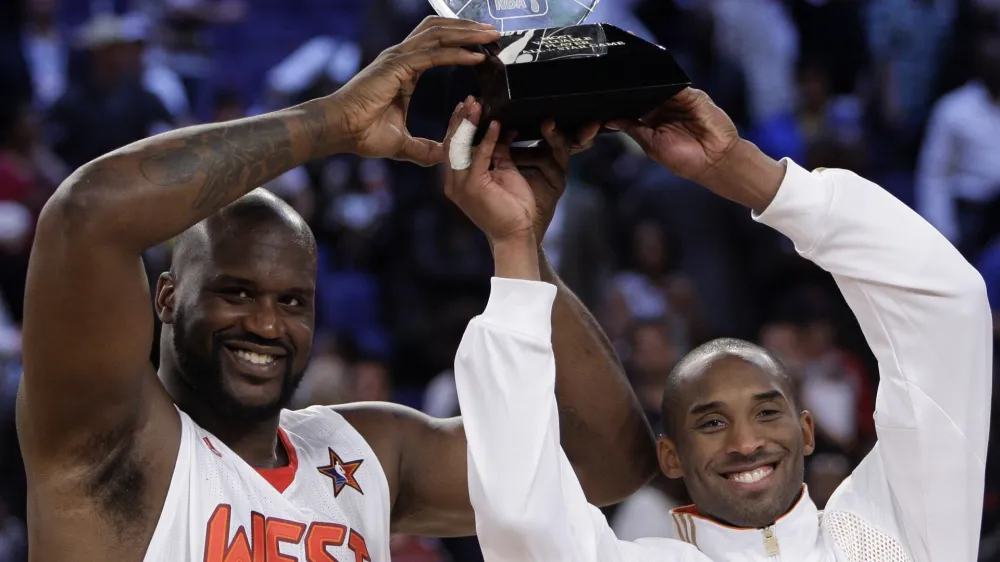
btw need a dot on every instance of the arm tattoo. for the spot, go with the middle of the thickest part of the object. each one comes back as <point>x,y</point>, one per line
<point>313,122</point>
<point>237,156</point>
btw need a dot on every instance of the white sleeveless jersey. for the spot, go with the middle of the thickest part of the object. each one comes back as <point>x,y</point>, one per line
<point>330,504</point>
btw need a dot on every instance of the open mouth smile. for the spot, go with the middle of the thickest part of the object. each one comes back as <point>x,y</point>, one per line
<point>753,477</point>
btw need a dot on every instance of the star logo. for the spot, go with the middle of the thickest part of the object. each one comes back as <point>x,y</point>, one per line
<point>342,473</point>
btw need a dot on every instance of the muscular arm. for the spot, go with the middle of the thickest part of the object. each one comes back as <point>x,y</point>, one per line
<point>88,319</point>
<point>425,458</point>
<point>599,415</point>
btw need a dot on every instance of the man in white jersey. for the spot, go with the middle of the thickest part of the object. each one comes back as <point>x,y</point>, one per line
<point>199,461</point>
<point>733,429</point>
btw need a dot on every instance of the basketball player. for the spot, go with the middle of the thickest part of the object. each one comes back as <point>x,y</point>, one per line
<point>734,430</point>
<point>201,463</point>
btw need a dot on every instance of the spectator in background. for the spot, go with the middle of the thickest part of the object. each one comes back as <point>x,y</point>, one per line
<point>958,179</point>
<point>576,242</point>
<point>906,39</point>
<point>818,118</point>
<point>646,513</point>
<point>654,347</point>
<point>156,77</point>
<point>109,108</point>
<point>762,38</point>
<point>832,383</point>
<point>325,381</point>
<point>824,473</point>
<point>45,51</point>
<point>652,288</point>
<point>13,537</point>
<point>185,43</point>
<point>29,173</point>
<point>989,266</point>
<point>714,72</point>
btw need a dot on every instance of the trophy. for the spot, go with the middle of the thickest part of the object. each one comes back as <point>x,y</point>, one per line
<point>549,64</point>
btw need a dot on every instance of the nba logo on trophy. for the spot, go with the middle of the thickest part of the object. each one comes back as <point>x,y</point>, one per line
<point>510,9</point>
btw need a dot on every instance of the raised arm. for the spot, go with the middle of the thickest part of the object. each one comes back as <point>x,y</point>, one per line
<point>921,306</point>
<point>88,323</point>
<point>529,504</point>
<point>924,313</point>
<point>600,415</point>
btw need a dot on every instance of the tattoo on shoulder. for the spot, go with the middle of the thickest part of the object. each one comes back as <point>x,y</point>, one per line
<point>235,157</point>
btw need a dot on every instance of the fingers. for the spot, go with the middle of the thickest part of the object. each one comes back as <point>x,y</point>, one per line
<point>484,153</point>
<point>418,61</point>
<point>557,143</point>
<point>434,21</point>
<point>461,130</point>
<point>622,124</point>
<point>449,37</point>
<point>585,138</point>
<point>502,157</point>
<point>423,152</point>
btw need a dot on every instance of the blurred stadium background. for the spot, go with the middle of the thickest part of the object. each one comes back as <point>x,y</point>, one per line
<point>892,89</point>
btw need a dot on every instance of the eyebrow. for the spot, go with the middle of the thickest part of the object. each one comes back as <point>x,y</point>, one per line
<point>227,279</point>
<point>699,409</point>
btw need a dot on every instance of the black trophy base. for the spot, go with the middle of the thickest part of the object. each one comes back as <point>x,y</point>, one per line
<point>574,75</point>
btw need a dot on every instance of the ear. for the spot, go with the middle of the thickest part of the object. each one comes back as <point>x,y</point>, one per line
<point>165,302</point>
<point>670,463</point>
<point>808,432</point>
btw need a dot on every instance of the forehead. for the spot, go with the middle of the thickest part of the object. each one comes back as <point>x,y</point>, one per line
<point>730,380</point>
<point>271,254</point>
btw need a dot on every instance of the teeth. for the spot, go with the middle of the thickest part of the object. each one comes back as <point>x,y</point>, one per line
<point>752,476</point>
<point>255,358</point>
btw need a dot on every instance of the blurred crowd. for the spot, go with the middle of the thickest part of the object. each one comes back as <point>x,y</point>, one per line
<point>904,92</point>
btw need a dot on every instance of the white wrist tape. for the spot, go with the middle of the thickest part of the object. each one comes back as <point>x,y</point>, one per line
<point>460,152</point>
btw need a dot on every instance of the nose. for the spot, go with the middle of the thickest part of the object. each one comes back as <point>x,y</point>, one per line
<point>264,320</point>
<point>744,439</point>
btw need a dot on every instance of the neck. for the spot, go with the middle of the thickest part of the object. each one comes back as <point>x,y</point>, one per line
<point>256,443</point>
<point>772,520</point>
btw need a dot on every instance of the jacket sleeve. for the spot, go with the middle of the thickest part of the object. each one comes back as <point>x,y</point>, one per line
<point>529,504</point>
<point>924,313</point>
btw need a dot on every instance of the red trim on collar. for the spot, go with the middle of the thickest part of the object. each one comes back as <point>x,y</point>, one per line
<point>692,510</point>
<point>282,477</point>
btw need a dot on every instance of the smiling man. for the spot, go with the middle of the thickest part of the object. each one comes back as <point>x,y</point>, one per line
<point>199,459</point>
<point>753,479</point>
<point>734,431</point>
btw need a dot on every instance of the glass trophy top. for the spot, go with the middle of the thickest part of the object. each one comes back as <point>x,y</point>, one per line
<point>515,15</point>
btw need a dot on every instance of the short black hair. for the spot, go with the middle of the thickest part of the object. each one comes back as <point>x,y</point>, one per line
<point>702,356</point>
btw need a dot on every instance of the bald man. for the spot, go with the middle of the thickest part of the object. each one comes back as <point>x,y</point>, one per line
<point>199,460</point>
<point>734,431</point>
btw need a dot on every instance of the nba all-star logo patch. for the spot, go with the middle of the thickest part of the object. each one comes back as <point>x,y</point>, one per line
<point>509,9</point>
<point>342,473</point>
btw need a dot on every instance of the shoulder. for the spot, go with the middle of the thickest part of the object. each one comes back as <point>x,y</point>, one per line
<point>958,102</point>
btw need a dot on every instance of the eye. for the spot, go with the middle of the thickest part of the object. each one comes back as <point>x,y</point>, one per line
<point>292,301</point>
<point>768,414</point>
<point>235,295</point>
<point>712,425</point>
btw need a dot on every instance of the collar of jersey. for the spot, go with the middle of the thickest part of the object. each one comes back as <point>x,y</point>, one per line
<point>796,533</point>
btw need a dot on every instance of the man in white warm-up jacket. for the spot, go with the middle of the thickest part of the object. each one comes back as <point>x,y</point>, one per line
<point>734,432</point>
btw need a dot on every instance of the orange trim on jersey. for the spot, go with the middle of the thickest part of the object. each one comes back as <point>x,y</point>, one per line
<point>692,510</point>
<point>281,478</point>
